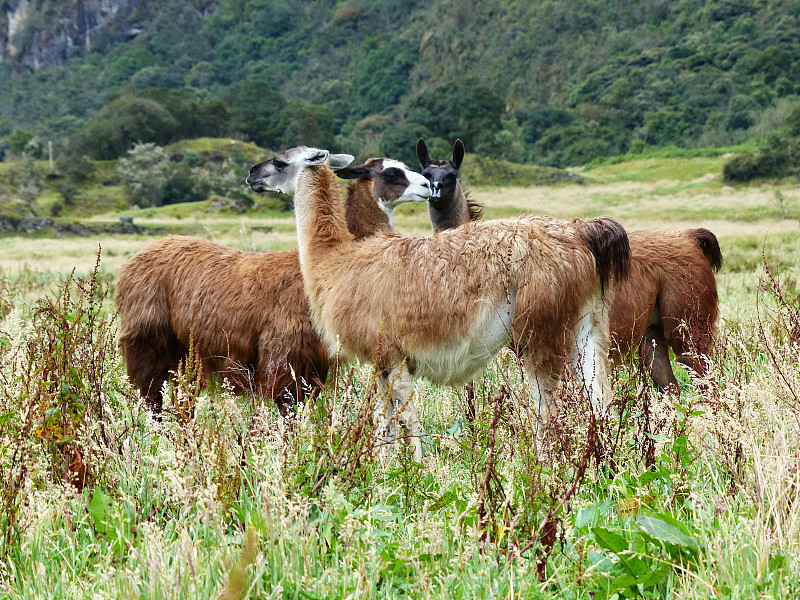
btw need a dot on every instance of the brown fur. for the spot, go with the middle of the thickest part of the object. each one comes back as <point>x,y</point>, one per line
<point>670,297</point>
<point>246,312</point>
<point>419,299</point>
<point>363,215</point>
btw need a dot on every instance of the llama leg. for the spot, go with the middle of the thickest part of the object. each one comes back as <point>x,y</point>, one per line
<point>541,388</point>
<point>654,356</point>
<point>149,361</point>
<point>400,389</point>
<point>590,359</point>
<point>384,414</point>
<point>406,409</point>
<point>151,391</point>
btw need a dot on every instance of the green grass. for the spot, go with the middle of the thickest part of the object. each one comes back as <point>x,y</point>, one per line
<point>223,498</point>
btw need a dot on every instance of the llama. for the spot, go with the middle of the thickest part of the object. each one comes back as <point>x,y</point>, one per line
<point>245,311</point>
<point>668,301</point>
<point>441,307</point>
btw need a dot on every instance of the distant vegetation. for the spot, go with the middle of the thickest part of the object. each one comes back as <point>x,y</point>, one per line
<point>550,83</point>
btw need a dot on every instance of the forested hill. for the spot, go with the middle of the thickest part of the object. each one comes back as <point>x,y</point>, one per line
<point>551,82</point>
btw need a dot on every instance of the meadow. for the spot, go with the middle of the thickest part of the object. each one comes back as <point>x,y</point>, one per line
<point>689,497</point>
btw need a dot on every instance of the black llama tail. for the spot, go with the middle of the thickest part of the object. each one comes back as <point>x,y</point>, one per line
<point>709,245</point>
<point>608,241</point>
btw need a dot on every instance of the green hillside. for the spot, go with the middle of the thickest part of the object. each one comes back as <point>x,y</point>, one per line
<point>552,83</point>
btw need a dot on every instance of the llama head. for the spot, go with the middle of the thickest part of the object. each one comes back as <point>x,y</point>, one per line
<point>392,182</point>
<point>442,174</point>
<point>279,174</point>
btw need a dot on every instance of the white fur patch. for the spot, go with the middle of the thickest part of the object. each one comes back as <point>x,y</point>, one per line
<point>389,163</point>
<point>586,357</point>
<point>458,361</point>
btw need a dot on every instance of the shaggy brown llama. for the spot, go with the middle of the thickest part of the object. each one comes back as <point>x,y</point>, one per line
<point>245,311</point>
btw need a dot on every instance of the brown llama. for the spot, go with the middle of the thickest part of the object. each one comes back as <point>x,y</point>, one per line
<point>668,301</point>
<point>245,311</point>
<point>441,307</point>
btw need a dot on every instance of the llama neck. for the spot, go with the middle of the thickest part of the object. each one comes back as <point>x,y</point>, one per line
<point>364,216</point>
<point>319,211</point>
<point>450,210</point>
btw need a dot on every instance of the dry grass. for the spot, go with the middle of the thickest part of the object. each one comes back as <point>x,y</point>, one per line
<point>225,499</point>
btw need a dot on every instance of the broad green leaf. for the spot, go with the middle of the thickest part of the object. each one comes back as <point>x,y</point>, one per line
<point>601,562</point>
<point>666,532</point>
<point>639,566</point>
<point>100,508</point>
<point>653,577</point>
<point>623,581</point>
<point>609,540</point>
<point>588,514</point>
<point>444,500</point>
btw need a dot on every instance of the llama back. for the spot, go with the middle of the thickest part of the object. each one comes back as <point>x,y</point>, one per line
<point>470,274</point>
<point>243,310</point>
<point>672,277</point>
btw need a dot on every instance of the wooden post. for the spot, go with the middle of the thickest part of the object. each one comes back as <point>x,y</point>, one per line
<point>50,152</point>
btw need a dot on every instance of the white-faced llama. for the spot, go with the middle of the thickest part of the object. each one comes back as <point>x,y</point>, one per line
<point>245,311</point>
<point>441,307</point>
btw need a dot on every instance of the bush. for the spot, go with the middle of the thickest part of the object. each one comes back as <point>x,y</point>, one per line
<point>61,388</point>
<point>746,167</point>
<point>19,139</point>
<point>257,110</point>
<point>145,172</point>
<point>185,186</point>
<point>462,108</point>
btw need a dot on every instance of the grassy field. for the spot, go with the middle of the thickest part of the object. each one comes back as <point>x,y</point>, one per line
<point>696,497</point>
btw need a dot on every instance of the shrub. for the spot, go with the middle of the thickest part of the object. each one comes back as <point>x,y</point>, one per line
<point>56,401</point>
<point>400,141</point>
<point>146,172</point>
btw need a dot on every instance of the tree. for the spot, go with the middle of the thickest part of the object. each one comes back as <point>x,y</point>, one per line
<point>400,141</point>
<point>462,108</point>
<point>18,139</point>
<point>194,117</point>
<point>309,126</point>
<point>125,121</point>
<point>257,111</point>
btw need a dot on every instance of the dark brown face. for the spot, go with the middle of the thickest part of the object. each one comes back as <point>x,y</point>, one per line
<point>442,174</point>
<point>392,181</point>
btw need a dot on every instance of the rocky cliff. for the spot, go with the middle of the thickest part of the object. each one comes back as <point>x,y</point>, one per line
<point>39,33</point>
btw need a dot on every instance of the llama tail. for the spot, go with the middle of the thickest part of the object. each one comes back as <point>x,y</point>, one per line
<point>608,241</point>
<point>708,243</point>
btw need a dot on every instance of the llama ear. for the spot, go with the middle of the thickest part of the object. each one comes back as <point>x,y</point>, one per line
<point>340,160</point>
<point>351,173</point>
<point>423,155</point>
<point>458,155</point>
<point>314,156</point>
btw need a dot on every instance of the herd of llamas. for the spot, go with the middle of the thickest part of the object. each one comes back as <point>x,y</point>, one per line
<point>568,296</point>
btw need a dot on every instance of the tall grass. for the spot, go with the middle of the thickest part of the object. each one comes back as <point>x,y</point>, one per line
<point>694,497</point>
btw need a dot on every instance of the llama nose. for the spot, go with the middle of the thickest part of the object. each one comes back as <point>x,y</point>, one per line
<point>436,190</point>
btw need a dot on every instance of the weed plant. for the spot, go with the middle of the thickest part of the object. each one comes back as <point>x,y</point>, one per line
<point>219,496</point>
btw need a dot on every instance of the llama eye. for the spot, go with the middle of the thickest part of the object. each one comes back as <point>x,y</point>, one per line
<point>391,174</point>
<point>279,164</point>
